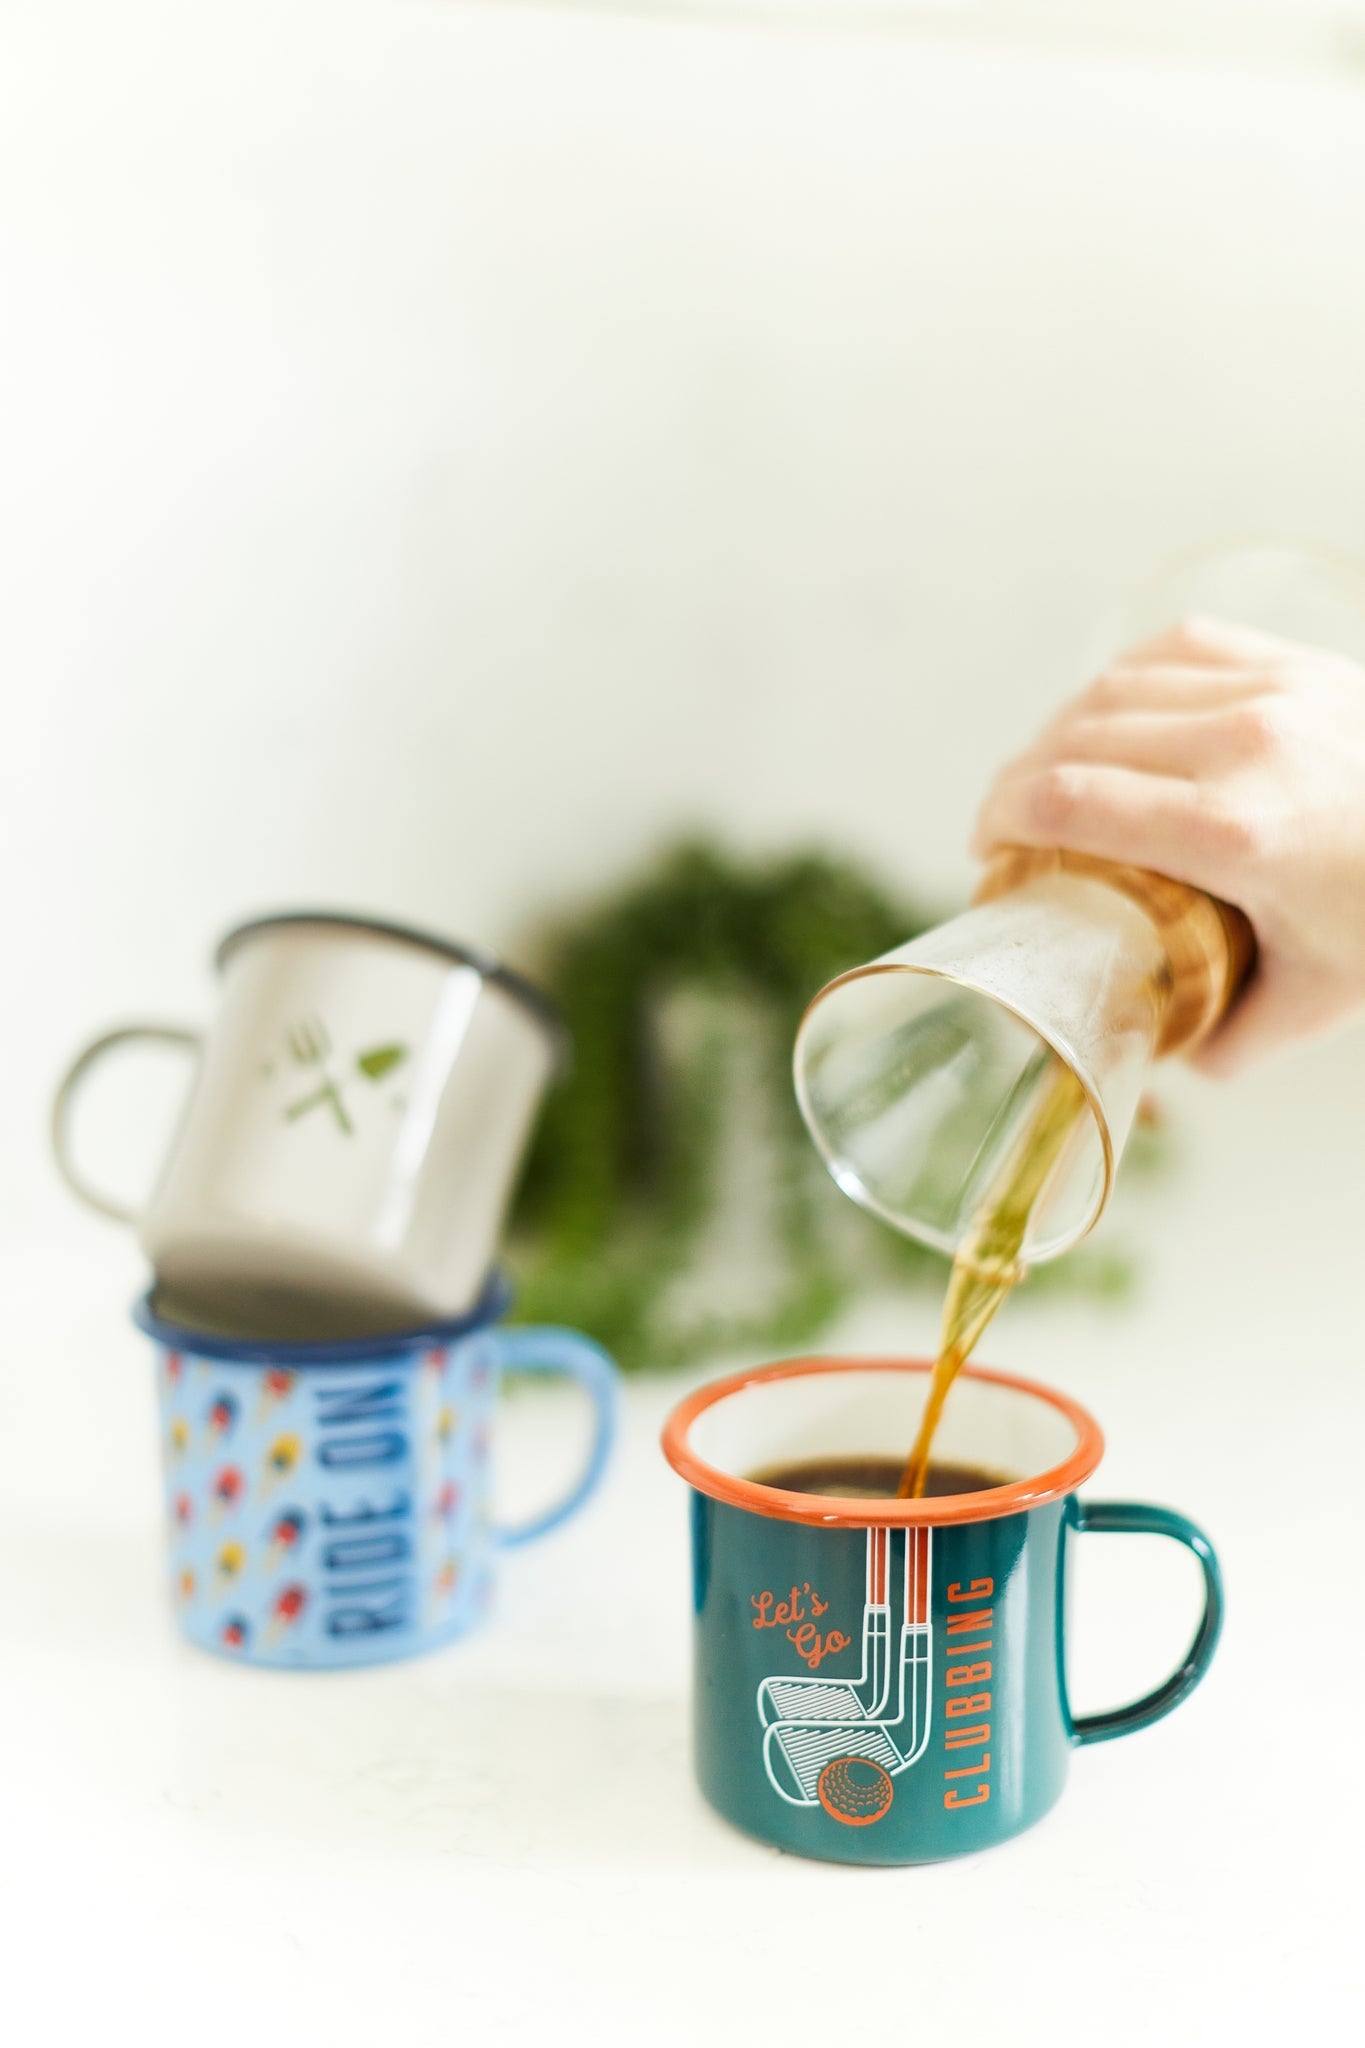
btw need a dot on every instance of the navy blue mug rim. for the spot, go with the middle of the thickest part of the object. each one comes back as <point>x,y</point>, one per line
<point>491,1305</point>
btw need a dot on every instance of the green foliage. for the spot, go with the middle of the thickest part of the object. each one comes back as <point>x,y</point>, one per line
<point>622,1180</point>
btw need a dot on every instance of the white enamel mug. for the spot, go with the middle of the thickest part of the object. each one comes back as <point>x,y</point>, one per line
<point>348,1149</point>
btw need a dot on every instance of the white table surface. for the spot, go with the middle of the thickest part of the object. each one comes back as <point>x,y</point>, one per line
<point>504,1841</point>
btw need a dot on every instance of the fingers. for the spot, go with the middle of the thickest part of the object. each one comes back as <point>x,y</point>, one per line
<point>1288,1001</point>
<point>1120,814</point>
<point>1251,1033</point>
<point>1104,777</point>
<point>1209,643</point>
<point>1269,1016</point>
<point>1174,686</point>
<point>1198,746</point>
<point>1158,742</point>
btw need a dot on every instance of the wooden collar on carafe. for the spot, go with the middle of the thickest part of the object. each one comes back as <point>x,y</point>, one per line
<point>1210,947</point>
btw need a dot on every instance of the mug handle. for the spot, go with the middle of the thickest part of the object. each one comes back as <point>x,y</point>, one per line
<point>1134,1518</point>
<point>161,1034</point>
<point>563,1354</point>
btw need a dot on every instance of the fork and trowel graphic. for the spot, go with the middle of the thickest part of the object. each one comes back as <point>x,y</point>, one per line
<point>310,1046</point>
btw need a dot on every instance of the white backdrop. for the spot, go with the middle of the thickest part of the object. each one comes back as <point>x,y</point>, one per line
<point>448,447</point>
<point>443,450</point>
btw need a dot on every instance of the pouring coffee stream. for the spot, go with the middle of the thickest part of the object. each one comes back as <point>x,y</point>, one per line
<point>975,1087</point>
<point>987,1268</point>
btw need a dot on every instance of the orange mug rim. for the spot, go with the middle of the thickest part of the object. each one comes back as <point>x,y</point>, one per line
<point>833,1511</point>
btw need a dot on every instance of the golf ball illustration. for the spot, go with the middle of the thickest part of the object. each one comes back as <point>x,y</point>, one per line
<point>854,1791</point>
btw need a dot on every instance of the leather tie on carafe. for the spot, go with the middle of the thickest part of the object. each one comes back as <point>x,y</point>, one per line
<point>1209,945</point>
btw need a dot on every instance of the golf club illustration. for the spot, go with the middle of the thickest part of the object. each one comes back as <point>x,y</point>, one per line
<point>839,1742</point>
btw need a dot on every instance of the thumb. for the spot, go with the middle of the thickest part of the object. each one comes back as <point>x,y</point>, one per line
<point>1271,1014</point>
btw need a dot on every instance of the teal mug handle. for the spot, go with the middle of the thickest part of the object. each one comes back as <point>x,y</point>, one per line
<point>563,1354</point>
<point>1134,1518</point>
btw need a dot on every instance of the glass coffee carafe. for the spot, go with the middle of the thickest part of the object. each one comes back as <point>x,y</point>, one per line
<point>995,1064</point>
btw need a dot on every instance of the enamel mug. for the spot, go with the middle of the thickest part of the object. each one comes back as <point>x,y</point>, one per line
<point>345,1157</point>
<point>330,1505</point>
<point>884,1681</point>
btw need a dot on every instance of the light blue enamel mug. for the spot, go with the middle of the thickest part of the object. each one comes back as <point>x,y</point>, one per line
<point>329,1505</point>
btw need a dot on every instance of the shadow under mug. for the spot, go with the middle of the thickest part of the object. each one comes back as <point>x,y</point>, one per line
<point>329,1504</point>
<point>884,1681</point>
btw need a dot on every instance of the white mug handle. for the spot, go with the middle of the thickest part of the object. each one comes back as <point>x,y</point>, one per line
<point>163,1034</point>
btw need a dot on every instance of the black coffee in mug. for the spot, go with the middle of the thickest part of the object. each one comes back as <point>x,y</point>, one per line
<point>872,1478</point>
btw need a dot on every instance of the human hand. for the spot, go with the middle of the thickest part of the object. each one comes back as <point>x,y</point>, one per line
<point>1233,761</point>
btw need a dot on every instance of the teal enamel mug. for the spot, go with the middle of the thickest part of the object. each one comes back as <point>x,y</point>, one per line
<point>884,1681</point>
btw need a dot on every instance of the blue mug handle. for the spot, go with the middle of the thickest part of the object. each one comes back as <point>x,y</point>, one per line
<point>1134,1518</point>
<point>563,1354</point>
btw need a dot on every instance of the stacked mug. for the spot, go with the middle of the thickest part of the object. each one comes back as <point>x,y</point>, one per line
<point>325,1306</point>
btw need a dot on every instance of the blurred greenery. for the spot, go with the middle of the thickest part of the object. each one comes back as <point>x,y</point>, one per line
<point>625,1187</point>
